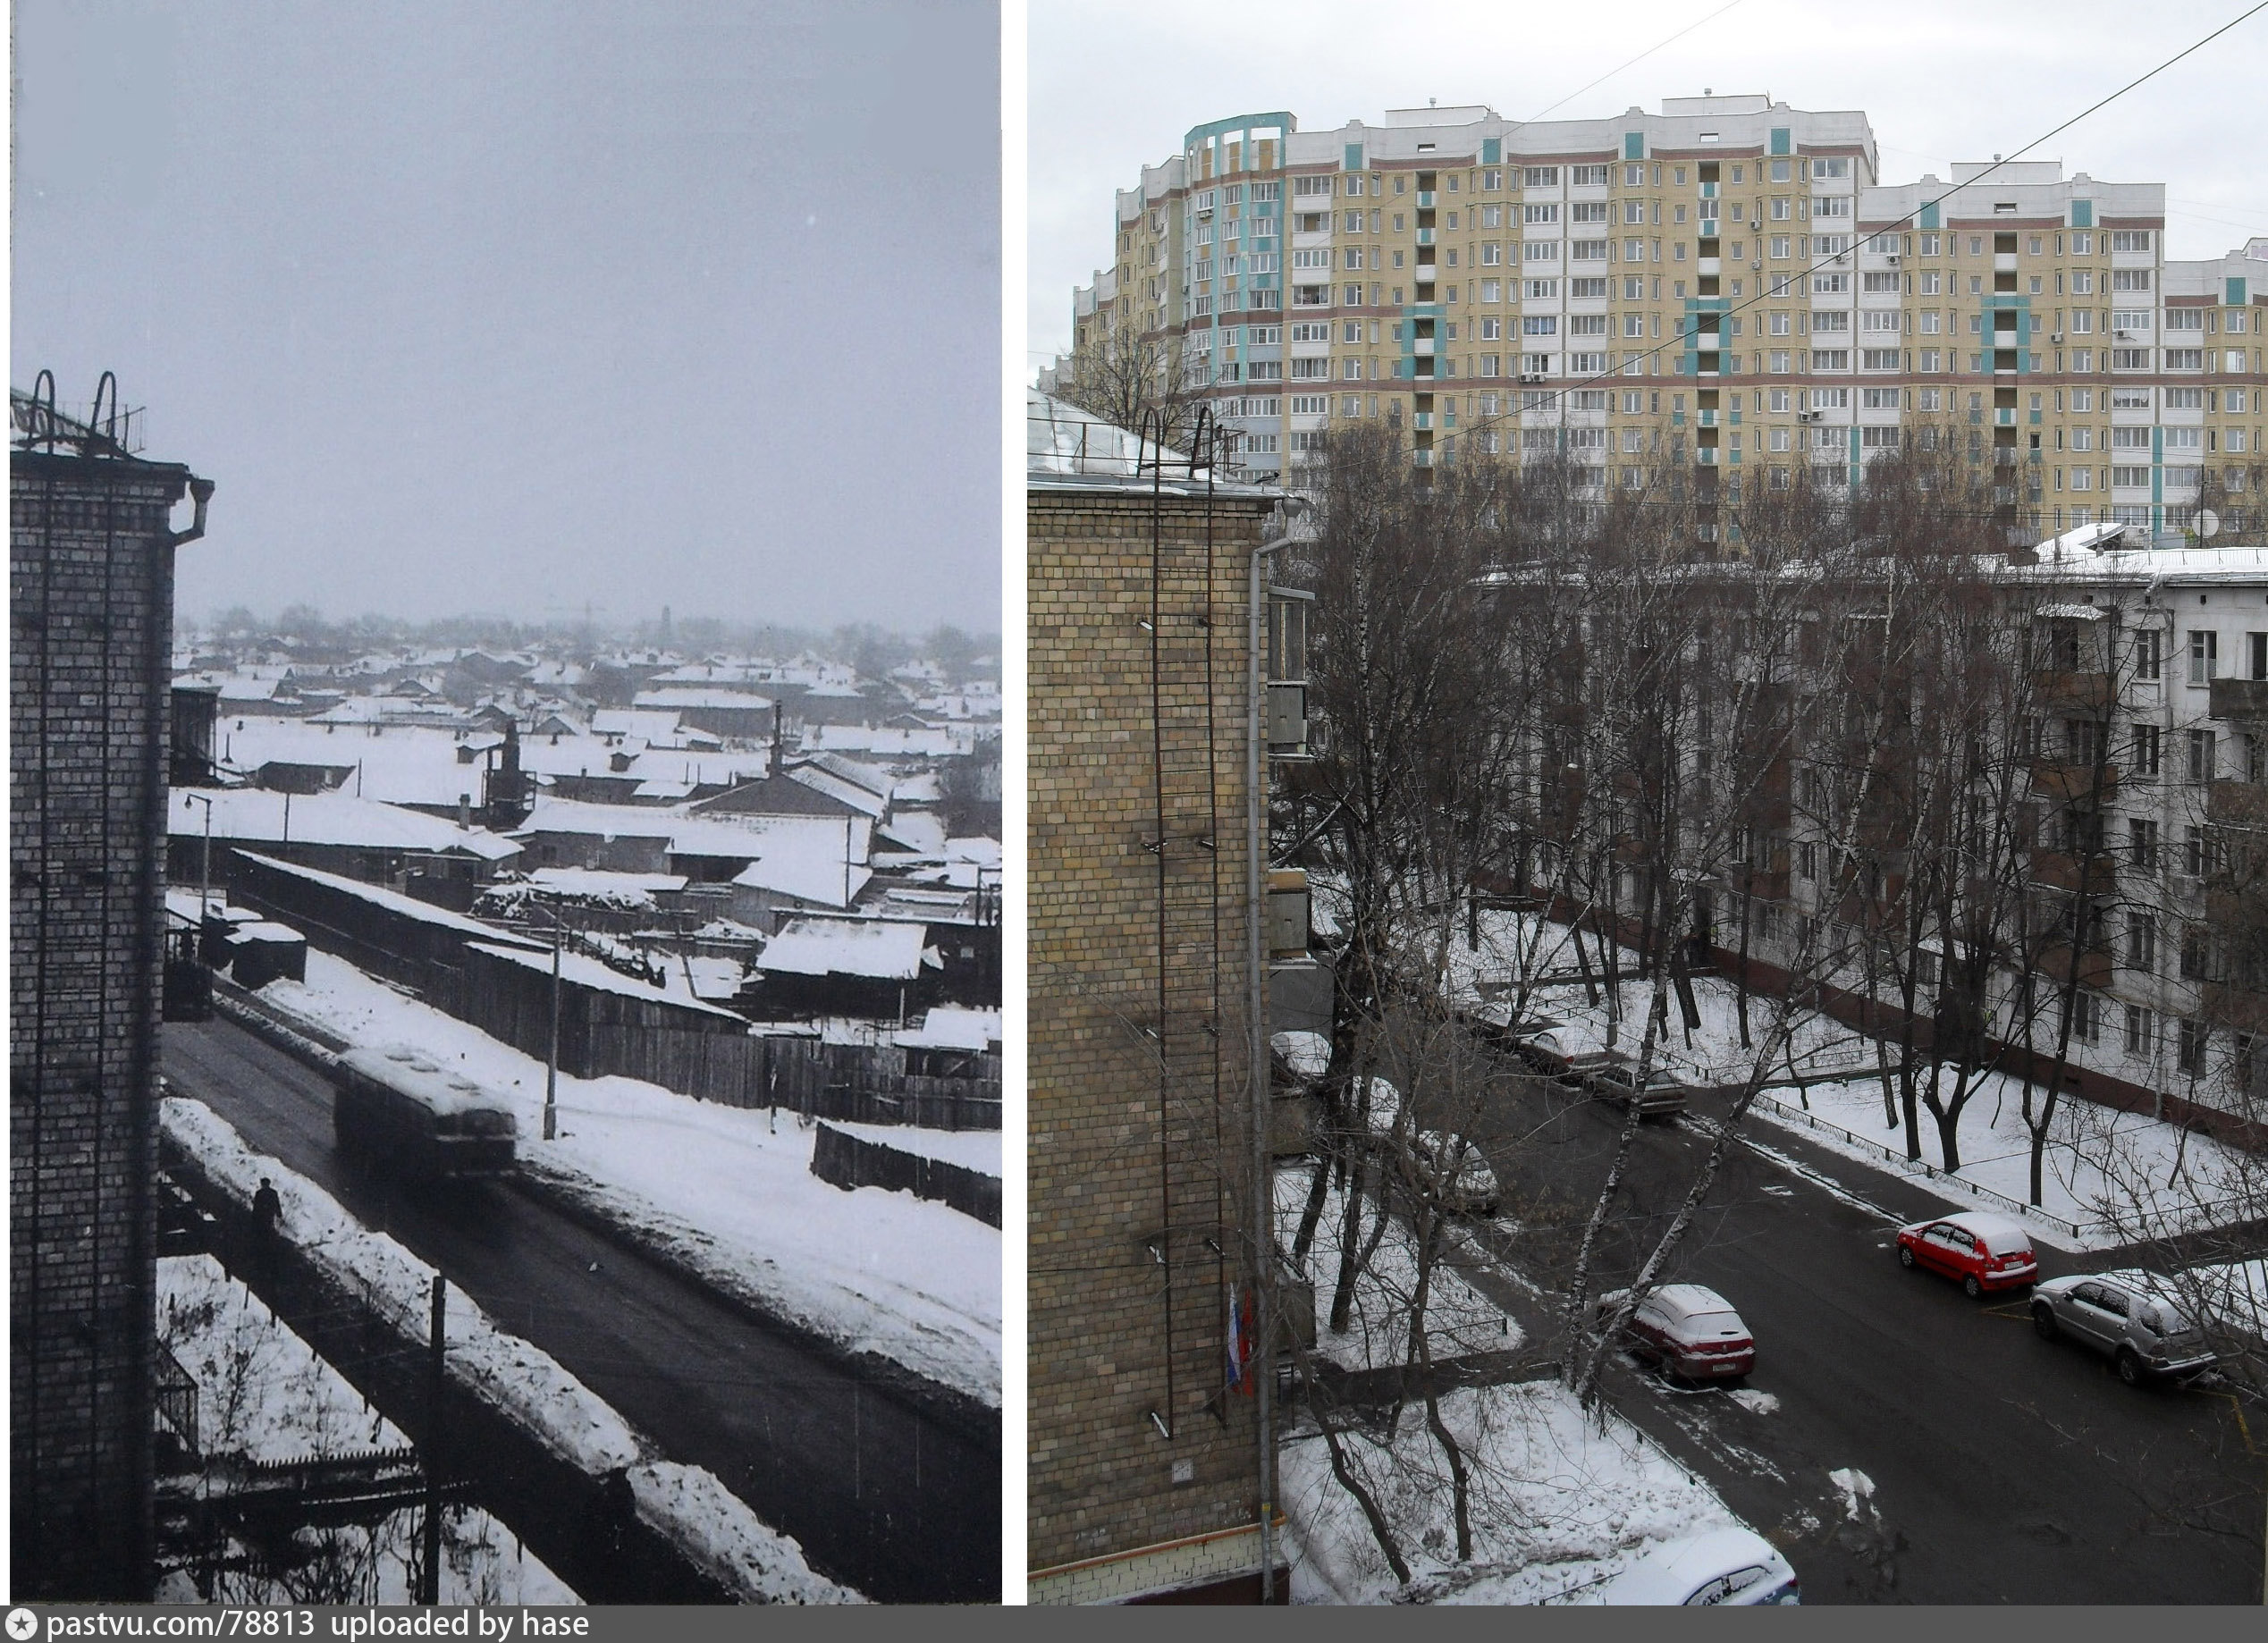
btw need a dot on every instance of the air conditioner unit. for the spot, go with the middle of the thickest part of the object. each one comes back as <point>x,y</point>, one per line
<point>2123,336</point>
<point>1531,378</point>
<point>2055,336</point>
<point>1891,259</point>
<point>1842,259</point>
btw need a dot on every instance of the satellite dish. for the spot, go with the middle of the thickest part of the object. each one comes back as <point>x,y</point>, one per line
<point>2208,523</point>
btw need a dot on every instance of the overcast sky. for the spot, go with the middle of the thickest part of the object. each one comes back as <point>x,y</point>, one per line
<point>1941,80</point>
<point>507,307</point>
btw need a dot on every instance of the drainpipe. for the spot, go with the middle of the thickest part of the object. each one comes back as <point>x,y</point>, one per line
<point>1256,910</point>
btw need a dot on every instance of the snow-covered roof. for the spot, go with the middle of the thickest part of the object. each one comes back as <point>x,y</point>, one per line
<point>393,901</point>
<point>876,949</point>
<point>398,764</point>
<point>683,698</point>
<point>950,1026</point>
<point>588,973</point>
<point>590,881</point>
<point>919,831</point>
<point>338,819</point>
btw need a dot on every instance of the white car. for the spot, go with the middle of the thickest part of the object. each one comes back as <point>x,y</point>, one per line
<point>1474,1190</point>
<point>1728,1566</point>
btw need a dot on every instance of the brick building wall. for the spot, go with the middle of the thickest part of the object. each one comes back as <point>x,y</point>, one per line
<point>1138,1139</point>
<point>91,599</point>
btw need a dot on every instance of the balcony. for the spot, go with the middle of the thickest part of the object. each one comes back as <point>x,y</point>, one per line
<point>2003,262</point>
<point>1711,265</point>
<point>1766,886</point>
<point>2095,965</point>
<point>2060,870</point>
<point>1422,421</point>
<point>1425,200</point>
<point>1422,346</point>
<point>2082,692</point>
<point>2239,698</point>
<point>2053,779</point>
<point>1425,236</point>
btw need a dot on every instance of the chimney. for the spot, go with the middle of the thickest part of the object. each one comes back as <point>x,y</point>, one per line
<point>465,812</point>
<point>775,740</point>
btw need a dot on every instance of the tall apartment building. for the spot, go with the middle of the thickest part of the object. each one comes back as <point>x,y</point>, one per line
<point>91,560</point>
<point>1143,1451</point>
<point>1726,288</point>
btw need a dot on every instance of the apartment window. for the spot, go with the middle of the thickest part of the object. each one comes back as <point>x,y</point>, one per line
<point>2192,1044</point>
<point>2141,1032</point>
<point>2148,747</point>
<point>2086,1017</point>
<point>1807,855</point>
<point>2193,850</point>
<point>2201,755</point>
<point>2205,643</point>
<point>2142,943</point>
<point>2131,239</point>
<point>2142,843</point>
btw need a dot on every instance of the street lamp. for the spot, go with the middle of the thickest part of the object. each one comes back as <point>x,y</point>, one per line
<point>205,860</point>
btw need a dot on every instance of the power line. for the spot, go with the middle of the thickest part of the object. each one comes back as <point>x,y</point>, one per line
<point>1641,57</point>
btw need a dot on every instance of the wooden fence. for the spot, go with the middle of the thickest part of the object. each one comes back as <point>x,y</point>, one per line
<point>869,1083</point>
<point>850,1161</point>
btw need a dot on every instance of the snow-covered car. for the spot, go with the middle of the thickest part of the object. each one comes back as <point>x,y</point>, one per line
<point>1985,1251</point>
<point>1733,1566</point>
<point>2133,1317</point>
<point>1474,1189</point>
<point>1545,1044</point>
<point>1663,1095</point>
<point>1690,1331</point>
<point>1385,1106</point>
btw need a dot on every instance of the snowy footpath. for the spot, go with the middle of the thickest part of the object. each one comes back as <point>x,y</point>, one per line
<point>688,1504</point>
<point>1561,1502</point>
<point>726,1192</point>
<point>2108,1177</point>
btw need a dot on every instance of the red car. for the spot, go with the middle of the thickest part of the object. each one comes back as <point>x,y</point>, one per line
<point>1983,1252</point>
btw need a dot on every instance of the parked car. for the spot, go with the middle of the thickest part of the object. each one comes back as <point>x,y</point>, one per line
<point>1983,1252</point>
<point>1545,1044</point>
<point>1663,1095</point>
<point>2133,1317</point>
<point>1473,1190</point>
<point>1734,1566</point>
<point>1688,1331</point>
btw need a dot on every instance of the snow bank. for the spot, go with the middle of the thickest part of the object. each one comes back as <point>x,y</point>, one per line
<point>726,1192</point>
<point>688,1505</point>
<point>1562,1503</point>
<point>725,1539</point>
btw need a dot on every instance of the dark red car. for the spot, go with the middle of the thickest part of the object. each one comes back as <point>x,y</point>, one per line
<point>1690,1332</point>
<point>1983,1252</point>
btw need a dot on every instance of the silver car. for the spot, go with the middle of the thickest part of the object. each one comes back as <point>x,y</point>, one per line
<point>2133,1317</point>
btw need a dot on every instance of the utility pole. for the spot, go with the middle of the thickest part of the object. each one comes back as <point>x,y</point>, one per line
<point>429,1584</point>
<point>550,1067</point>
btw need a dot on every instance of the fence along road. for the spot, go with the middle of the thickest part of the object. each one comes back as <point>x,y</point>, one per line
<point>883,1497</point>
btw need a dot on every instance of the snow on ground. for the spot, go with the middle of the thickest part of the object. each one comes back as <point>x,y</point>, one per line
<point>263,1394</point>
<point>568,1418</point>
<point>976,1149</point>
<point>1561,1502</point>
<point>730,1191</point>
<point>2118,1177</point>
<point>1459,1319</point>
<point>1710,1054</point>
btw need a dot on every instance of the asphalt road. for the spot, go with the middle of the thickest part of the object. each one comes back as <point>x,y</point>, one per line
<point>880,1496</point>
<point>2004,1469</point>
